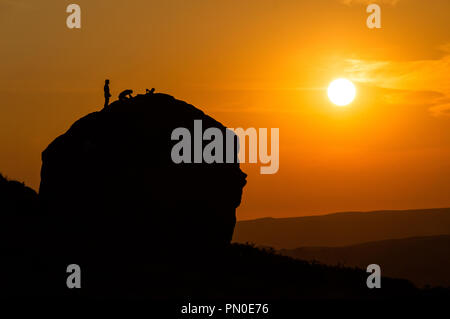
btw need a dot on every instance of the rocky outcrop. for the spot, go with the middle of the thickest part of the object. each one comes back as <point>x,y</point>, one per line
<point>110,185</point>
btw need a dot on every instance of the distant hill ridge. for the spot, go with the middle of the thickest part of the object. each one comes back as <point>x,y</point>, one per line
<point>343,229</point>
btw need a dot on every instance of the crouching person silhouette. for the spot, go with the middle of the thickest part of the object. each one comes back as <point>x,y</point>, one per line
<point>125,95</point>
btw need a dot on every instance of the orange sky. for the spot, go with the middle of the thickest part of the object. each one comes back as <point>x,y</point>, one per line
<point>253,63</point>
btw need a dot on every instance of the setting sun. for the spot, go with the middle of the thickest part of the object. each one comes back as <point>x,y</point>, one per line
<point>341,92</point>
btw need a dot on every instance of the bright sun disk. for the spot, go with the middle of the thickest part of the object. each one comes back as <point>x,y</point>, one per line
<point>341,92</point>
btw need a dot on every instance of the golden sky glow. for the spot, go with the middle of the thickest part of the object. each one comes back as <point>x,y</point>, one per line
<point>255,63</point>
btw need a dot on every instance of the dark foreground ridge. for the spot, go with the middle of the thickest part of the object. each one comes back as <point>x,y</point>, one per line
<point>112,201</point>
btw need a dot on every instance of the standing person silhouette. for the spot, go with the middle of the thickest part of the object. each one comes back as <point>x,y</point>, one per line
<point>107,93</point>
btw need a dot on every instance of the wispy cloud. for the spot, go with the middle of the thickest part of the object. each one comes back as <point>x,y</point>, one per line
<point>421,81</point>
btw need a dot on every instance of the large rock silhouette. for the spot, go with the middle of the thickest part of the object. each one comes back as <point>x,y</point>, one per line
<point>110,185</point>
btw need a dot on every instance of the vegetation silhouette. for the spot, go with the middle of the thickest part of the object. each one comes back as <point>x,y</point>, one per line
<point>112,201</point>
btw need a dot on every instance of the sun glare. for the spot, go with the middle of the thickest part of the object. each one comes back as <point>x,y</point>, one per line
<point>341,92</point>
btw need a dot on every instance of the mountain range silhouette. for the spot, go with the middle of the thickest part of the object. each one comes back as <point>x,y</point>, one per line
<point>344,228</point>
<point>112,201</point>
